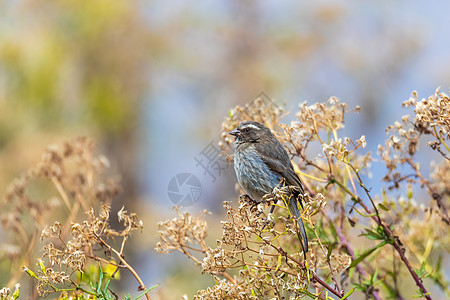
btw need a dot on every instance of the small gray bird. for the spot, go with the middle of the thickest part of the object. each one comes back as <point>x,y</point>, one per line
<point>261,163</point>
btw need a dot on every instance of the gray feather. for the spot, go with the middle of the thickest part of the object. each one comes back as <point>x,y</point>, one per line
<point>261,164</point>
<point>293,207</point>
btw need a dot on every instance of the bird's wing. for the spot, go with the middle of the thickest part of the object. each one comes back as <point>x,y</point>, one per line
<point>278,161</point>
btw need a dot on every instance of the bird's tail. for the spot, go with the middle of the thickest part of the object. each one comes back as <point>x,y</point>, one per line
<point>293,208</point>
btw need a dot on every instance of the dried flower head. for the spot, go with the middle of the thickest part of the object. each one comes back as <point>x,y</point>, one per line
<point>72,180</point>
<point>357,238</point>
<point>431,119</point>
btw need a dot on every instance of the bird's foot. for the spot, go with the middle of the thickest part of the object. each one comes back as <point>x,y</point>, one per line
<point>249,200</point>
<point>246,197</point>
<point>268,221</point>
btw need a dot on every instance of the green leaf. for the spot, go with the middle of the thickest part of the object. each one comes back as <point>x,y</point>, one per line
<point>146,291</point>
<point>105,291</point>
<point>333,232</point>
<point>16,293</point>
<point>351,272</point>
<point>367,253</point>
<point>410,193</point>
<point>348,294</point>
<point>100,278</point>
<point>437,269</point>
<point>30,273</point>
<point>107,284</point>
<point>420,294</point>
<point>383,207</point>
<point>280,258</point>
<point>374,277</point>
<point>372,235</point>
<point>365,215</point>
<point>330,249</point>
<point>422,273</point>
<point>42,266</point>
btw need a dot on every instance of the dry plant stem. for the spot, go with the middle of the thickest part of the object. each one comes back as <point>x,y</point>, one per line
<point>322,143</point>
<point>78,287</point>
<point>282,252</point>
<point>90,179</point>
<point>438,136</point>
<point>26,258</point>
<point>324,284</point>
<point>73,213</point>
<point>124,262</point>
<point>434,195</point>
<point>203,245</point>
<point>328,261</point>
<point>394,268</point>
<point>319,292</point>
<point>350,251</point>
<point>22,234</point>
<point>395,240</point>
<point>192,248</point>
<point>368,195</point>
<point>188,254</point>
<point>314,276</point>
<point>123,243</point>
<point>230,279</point>
<point>61,191</point>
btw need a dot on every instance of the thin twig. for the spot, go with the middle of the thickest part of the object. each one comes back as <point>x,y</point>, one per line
<point>395,240</point>
<point>434,195</point>
<point>345,243</point>
<point>120,256</point>
<point>315,277</point>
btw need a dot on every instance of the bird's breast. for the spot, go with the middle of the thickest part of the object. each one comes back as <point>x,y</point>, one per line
<point>253,174</point>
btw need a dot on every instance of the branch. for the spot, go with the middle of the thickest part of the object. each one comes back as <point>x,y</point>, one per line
<point>395,240</point>
<point>120,256</point>
<point>434,195</point>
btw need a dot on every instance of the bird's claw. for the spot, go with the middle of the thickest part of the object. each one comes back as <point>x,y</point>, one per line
<point>246,197</point>
<point>268,222</point>
<point>253,203</point>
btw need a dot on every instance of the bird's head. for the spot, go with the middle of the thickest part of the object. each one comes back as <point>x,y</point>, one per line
<point>251,132</point>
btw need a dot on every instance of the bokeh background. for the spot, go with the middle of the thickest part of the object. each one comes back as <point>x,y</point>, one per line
<point>151,82</point>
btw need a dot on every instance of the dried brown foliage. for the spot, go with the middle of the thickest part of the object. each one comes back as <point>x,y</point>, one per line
<point>71,176</point>
<point>376,244</point>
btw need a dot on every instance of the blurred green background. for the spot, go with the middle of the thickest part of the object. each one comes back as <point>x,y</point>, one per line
<point>151,81</point>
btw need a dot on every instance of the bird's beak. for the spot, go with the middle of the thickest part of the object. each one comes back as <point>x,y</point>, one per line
<point>235,132</point>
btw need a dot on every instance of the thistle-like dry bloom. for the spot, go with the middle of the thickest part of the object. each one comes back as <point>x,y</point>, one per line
<point>89,243</point>
<point>357,238</point>
<point>265,252</point>
<point>71,185</point>
<point>441,178</point>
<point>5,293</point>
<point>431,120</point>
<point>182,234</point>
<point>226,290</point>
<point>431,113</point>
<point>69,177</point>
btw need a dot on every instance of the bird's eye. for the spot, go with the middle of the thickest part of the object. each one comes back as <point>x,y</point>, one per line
<point>247,129</point>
